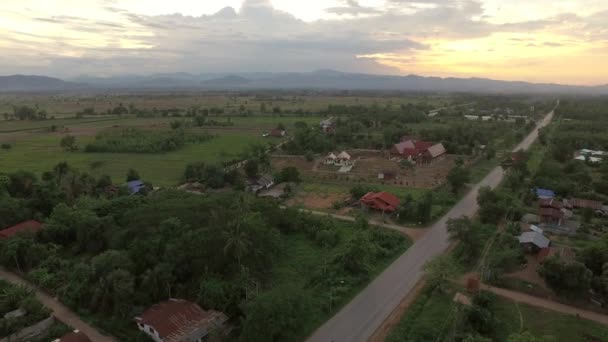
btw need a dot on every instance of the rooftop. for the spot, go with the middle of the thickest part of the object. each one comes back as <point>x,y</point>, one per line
<point>27,226</point>
<point>177,319</point>
<point>538,239</point>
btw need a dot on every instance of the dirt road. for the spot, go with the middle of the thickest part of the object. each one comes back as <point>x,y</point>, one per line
<point>359,319</point>
<point>548,304</point>
<point>60,311</point>
<point>413,233</point>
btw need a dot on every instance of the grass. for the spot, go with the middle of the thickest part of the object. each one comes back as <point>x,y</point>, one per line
<point>41,152</point>
<point>303,254</point>
<point>430,314</point>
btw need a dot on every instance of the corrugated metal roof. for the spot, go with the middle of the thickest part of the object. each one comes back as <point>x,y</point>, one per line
<point>538,239</point>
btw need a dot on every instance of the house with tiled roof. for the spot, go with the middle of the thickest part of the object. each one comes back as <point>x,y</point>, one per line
<point>383,201</point>
<point>178,320</point>
<point>27,226</point>
<point>418,150</point>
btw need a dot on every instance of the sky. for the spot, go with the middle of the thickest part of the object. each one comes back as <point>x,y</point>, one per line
<point>552,41</point>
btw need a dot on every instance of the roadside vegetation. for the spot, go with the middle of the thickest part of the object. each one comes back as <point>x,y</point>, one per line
<point>110,255</point>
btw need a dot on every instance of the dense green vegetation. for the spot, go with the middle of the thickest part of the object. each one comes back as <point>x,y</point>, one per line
<point>109,256</point>
<point>137,141</point>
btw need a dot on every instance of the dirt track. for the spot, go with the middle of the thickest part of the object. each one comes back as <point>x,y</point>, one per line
<point>60,311</point>
<point>548,304</point>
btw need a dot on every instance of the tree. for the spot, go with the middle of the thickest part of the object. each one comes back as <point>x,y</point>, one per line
<point>252,168</point>
<point>425,208</point>
<point>458,177</point>
<point>276,315</point>
<point>68,143</point>
<point>440,270</point>
<point>566,278</point>
<point>289,174</point>
<point>359,191</point>
<point>491,209</point>
<point>132,175</point>
<point>464,231</point>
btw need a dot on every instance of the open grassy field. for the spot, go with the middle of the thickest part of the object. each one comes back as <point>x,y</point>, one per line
<point>41,152</point>
<point>70,104</point>
<point>428,318</point>
<point>37,149</point>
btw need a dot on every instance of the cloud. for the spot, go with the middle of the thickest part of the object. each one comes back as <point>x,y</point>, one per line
<point>399,36</point>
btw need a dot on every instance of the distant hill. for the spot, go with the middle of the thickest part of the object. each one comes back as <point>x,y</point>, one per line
<point>320,79</point>
<point>33,83</point>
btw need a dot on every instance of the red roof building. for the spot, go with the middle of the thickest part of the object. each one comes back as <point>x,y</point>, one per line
<point>277,132</point>
<point>550,203</point>
<point>380,201</point>
<point>74,336</point>
<point>423,151</point>
<point>551,216</point>
<point>177,320</point>
<point>583,203</point>
<point>27,226</point>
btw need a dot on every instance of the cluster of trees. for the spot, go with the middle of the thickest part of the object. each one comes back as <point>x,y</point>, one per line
<point>115,255</point>
<point>133,140</point>
<point>27,113</point>
<point>213,175</point>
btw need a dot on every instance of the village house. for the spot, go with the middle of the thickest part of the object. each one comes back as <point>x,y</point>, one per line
<point>277,133</point>
<point>178,320</point>
<point>577,203</point>
<point>328,125</point>
<point>533,242</point>
<point>264,182</point>
<point>27,226</point>
<point>590,155</point>
<point>418,150</point>
<point>383,201</point>
<point>342,159</point>
<point>136,187</point>
<point>387,175</point>
<point>73,336</point>
<point>330,159</point>
<point>551,216</point>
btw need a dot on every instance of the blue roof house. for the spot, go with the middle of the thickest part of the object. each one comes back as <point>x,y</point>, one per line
<point>545,193</point>
<point>135,186</point>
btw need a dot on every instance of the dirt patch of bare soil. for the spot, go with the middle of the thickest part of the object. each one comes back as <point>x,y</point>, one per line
<point>317,201</point>
<point>530,273</point>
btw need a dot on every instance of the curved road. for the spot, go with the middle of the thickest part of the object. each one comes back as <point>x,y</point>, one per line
<point>359,319</point>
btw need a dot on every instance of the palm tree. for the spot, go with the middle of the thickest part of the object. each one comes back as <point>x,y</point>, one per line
<point>237,242</point>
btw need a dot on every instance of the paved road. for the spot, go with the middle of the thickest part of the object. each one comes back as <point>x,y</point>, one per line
<point>360,318</point>
<point>548,304</point>
<point>60,311</point>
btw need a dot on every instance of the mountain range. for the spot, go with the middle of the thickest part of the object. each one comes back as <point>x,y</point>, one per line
<point>320,80</point>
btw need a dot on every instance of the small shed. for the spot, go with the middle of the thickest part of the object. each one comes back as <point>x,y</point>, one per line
<point>136,186</point>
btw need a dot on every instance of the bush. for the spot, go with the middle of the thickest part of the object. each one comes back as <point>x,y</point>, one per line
<point>137,141</point>
<point>6,146</point>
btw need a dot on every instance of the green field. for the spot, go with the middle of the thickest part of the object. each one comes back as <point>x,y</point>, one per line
<point>38,150</point>
<point>42,152</point>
